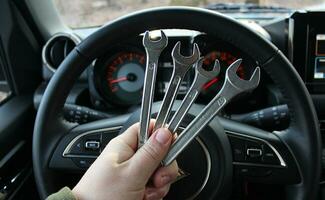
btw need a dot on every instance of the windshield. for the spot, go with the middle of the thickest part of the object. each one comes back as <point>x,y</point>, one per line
<point>88,13</point>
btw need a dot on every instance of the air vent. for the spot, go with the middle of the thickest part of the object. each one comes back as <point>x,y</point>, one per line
<point>57,48</point>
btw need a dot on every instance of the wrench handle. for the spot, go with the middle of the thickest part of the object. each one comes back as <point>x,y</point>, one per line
<point>147,98</point>
<point>183,109</point>
<point>187,102</point>
<point>168,101</point>
<point>194,128</point>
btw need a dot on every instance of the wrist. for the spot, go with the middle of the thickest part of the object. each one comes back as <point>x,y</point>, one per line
<point>76,193</point>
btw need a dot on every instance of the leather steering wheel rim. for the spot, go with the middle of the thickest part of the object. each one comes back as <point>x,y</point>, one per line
<point>303,140</point>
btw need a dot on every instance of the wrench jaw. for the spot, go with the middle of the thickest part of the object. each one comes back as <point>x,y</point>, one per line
<point>202,76</point>
<point>241,84</point>
<point>155,45</point>
<point>208,74</point>
<point>216,68</point>
<point>255,78</point>
<point>186,61</point>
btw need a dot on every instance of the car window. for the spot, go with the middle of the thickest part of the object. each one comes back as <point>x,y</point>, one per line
<point>88,13</point>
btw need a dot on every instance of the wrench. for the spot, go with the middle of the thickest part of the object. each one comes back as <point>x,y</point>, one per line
<point>181,65</point>
<point>232,86</point>
<point>201,77</point>
<point>153,51</point>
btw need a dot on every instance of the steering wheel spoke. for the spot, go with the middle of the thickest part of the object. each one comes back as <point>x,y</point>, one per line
<point>78,149</point>
<point>260,156</point>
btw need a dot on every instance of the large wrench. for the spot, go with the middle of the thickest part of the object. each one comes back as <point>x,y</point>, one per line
<point>153,51</point>
<point>181,65</point>
<point>201,77</point>
<point>232,86</point>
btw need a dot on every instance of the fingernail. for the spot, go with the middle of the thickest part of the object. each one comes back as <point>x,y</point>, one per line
<point>165,180</point>
<point>163,136</point>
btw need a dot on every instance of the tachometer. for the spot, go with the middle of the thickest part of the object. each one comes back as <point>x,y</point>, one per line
<point>225,58</point>
<point>124,76</point>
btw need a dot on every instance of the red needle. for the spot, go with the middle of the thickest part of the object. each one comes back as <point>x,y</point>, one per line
<point>210,83</point>
<point>118,80</point>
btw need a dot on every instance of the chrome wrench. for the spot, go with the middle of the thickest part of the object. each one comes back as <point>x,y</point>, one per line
<point>153,51</point>
<point>181,65</point>
<point>201,77</point>
<point>232,86</point>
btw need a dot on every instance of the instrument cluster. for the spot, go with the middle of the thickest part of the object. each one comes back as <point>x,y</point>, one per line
<point>119,75</point>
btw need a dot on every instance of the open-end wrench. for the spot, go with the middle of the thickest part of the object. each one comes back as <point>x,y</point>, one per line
<point>181,65</point>
<point>201,77</point>
<point>232,86</point>
<point>153,50</point>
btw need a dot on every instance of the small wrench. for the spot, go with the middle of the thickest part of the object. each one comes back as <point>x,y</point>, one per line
<point>201,77</point>
<point>181,65</point>
<point>232,86</point>
<point>153,51</point>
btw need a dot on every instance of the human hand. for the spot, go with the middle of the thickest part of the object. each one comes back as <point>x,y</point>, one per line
<point>122,172</point>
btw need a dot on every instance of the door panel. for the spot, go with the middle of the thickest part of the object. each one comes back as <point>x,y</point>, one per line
<point>20,73</point>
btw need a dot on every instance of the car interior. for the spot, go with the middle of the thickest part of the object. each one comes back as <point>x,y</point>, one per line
<point>72,75</point>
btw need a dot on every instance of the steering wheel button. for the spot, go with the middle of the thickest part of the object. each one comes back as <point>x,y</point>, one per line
<point>269,156</point>
<point>254,153</point>
<point>107,137</point>
<point>238,148</point>
<point>84,145</point>
<point>83,163</point>
<point>77,148</point>
<point>255,172</point>
<point>92,145</point>
<point>253,144</point>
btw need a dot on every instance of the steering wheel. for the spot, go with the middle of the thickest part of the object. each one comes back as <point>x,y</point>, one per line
<point>291,157</point>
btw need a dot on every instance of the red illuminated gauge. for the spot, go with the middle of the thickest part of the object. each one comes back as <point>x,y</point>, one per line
<point>125,77</point>
<point>211,88</point>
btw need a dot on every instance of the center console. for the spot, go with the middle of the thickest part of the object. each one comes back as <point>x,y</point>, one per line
<point>306,48</point>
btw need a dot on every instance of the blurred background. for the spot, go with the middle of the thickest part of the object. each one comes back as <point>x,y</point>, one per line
<point>89,13</point>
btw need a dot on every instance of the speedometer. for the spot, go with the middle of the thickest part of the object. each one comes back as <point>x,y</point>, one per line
<point>225,58</point>
<point>124,76</point>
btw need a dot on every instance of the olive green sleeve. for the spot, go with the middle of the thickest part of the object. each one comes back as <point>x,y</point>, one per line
<point>64,194</point>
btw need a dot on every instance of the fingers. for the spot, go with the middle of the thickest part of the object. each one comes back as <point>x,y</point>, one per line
<point>153,193</point>
<point>162,180</point>
<point>165,175</point>
<point>148,157</point>
<point>122,147</point>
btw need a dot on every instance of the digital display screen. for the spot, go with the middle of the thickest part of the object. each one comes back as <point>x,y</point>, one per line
<point>320,45</point>
<point>319,71</point>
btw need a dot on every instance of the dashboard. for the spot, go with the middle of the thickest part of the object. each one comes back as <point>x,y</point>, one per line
<point>112,84</point>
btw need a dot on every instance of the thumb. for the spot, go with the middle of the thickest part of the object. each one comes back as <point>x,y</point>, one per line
<point>146,160</point>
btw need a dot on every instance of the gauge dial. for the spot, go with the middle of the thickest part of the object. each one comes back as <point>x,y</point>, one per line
<point>124,78</point>
<point>225,58</point>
